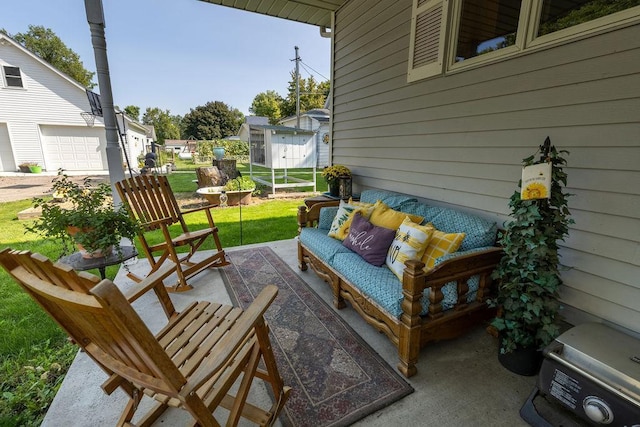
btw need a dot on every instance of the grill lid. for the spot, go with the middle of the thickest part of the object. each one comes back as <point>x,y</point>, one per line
<point>604,353</point>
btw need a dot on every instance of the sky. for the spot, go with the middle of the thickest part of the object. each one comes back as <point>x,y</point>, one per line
<point>179,54</point>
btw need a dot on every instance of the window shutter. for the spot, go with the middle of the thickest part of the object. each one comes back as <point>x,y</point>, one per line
<point>428,30</point>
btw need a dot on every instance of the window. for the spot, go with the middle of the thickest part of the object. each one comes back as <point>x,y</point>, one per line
<point>486,26</point>
<point>12,76</point>
<point>480,31</point>
<point>556,15</point>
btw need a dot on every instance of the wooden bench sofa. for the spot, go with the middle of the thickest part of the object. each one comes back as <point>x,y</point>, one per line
<point>426,306</point>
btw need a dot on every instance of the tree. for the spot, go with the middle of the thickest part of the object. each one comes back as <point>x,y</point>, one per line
<point>163,124</point>
<point>312,95</point>
<point>214,120</point>
<point>267,104</point>
<point>133,111</point>
<point>48,46</point>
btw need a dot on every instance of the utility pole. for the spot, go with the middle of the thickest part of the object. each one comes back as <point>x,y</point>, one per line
<point>297,88</point>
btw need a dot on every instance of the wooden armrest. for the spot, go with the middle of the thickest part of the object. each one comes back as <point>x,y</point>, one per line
<point>149,282</point>
<point>463,266</point>
<point>234,338</point>
<point>201,208</point>
<point>155,281</point>
<point>309,216</point>
<point>157,222</point>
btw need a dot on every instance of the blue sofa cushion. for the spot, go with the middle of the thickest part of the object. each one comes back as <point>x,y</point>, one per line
<point>326,217</point>
<point>323,246</point>
<point>479,231</point>
<point>391,199</point>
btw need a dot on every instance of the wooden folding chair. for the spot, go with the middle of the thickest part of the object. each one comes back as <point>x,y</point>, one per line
<point>150,200</point>
<point>191,364</point>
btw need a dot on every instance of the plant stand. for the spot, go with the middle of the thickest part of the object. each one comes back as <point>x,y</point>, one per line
<point>77,262</point>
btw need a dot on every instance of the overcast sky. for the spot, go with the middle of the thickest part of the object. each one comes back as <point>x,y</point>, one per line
<point>179,54</point>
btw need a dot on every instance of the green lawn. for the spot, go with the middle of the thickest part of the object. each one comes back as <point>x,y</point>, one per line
<point>32,344</point>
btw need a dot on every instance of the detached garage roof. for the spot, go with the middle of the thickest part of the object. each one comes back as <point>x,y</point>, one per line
<point>314,12</point>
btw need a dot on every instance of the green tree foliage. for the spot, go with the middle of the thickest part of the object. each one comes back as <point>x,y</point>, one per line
<point>214,120</point>
<point>267,104</point>
<point>132,111</point>
<point>163,123</point>
<point>48,46</point>
<point>312,95</point>
<point>585,12</point>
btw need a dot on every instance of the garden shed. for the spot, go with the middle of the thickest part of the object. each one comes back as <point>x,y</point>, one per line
<point>280,149</point>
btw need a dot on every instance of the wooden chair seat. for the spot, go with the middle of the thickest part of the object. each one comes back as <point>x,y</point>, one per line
<point>149,200</point>
<point>193,363</point>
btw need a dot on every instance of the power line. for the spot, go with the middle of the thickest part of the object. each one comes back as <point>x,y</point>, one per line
<point>307,65</point>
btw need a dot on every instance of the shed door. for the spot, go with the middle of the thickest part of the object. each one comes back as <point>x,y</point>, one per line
<point>72,148</point>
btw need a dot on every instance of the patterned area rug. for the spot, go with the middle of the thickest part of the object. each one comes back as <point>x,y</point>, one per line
<point>336,377</point>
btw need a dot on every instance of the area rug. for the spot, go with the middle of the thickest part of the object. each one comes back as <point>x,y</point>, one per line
<point>336,377</point>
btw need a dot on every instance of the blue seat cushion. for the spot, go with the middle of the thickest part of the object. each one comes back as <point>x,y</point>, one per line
<point>377,283</point>
<point>323,246</point>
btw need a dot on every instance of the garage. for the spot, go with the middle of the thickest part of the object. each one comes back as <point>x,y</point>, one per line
<point>73,148</point>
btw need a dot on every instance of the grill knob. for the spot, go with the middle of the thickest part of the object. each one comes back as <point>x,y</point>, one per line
<point>597,410</point>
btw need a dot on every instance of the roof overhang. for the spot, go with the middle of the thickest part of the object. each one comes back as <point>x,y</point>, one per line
<point>314,12</point>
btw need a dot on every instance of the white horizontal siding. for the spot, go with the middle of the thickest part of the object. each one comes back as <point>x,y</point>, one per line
<point>459,139</point>
<point>47,99</point>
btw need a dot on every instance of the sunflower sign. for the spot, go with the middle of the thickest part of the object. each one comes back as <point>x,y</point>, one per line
<point>536,181</point>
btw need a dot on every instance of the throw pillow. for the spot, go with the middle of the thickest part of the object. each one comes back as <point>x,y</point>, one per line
<point>344,212</point>
<point>369,241</point>
<point>343,230</point>
<point>441,244</point>
<point>384,216</point>
<point>409,243</point>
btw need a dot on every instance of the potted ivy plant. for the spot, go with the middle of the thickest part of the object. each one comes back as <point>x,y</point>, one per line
<point>87,217</point>
<point>528,274</point>
<point>333,174</point>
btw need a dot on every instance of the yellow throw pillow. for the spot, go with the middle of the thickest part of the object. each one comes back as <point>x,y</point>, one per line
<point>342,221</point>
<point>384,216</point>
<point>439,245</point>
<point>364,209</point>
<point>409,244</point>
<point>361,204</point>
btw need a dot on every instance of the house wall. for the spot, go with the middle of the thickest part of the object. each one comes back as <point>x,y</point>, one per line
<point>459,140</point>
<point>47,99</point>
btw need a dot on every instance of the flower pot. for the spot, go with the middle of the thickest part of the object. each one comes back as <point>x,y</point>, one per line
<point>24,169</point>
<point>522,361</point>
<point>234,198</point>
<point>98,253</point>
<point>35,169</point>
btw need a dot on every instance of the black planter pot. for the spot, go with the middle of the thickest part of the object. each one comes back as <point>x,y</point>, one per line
<point>521,361</point>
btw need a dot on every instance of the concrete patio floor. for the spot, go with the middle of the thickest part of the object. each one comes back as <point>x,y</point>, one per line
<point>459,382</point>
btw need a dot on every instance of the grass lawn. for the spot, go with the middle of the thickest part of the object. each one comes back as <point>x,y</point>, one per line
<point>34,353</point>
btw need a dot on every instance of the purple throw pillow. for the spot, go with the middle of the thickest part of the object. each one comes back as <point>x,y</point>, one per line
<point>369,241</point>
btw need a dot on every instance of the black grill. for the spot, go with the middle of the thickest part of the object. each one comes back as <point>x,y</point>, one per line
<point>590,376</point>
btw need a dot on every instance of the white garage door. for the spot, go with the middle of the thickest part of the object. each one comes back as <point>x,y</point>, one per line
<point>73,148</point>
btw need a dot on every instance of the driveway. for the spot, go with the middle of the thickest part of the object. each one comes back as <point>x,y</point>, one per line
<point>27,186</point>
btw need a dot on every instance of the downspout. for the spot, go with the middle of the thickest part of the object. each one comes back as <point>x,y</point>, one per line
<point>95,18</point>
